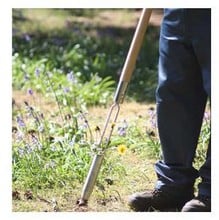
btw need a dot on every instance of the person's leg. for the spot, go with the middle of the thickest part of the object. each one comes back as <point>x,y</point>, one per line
<point>202,48</point>
<point>202,202</point>
<point>180,107</point>
<point>181,102</point>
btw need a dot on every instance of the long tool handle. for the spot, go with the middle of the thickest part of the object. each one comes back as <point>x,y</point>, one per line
<point>124,80</point>
<point>134,49</point>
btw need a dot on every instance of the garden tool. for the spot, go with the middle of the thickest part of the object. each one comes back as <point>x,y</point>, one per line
<point>125,77</point>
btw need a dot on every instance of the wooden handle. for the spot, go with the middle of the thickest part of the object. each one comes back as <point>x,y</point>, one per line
<point>135,45</point>
<point>131,58</point>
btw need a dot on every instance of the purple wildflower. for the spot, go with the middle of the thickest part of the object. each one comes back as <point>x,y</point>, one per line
<point>71,77</point>
<point>21,151</point>
<point>41,128</point>
<point>207,116</point>
<point>19,136</point>
<point>66,90</point>
<point>36,142</point>
<point>153,119</point>
<point>37,72</point>
<point>72,142</point>
<point>30,91</point>
<point>26,77</point>
<point>28,149</point>
<point>27,37</point>
<point>122,130</point>
<point>20,122</point>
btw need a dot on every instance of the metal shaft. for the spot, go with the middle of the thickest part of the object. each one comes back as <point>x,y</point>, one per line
<point>91,179</point>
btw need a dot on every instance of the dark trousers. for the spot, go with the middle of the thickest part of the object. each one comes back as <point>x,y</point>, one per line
<point>183,88</point>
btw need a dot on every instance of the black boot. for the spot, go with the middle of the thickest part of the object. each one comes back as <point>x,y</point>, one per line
<point>158,200</point>
<point>198,204</point>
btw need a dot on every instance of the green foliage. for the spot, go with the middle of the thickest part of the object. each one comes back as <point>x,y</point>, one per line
<point>38,77</point>
<point>74,47</point>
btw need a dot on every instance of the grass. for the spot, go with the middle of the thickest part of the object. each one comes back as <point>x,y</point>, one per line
<point>105,197</point>
<point>66,64</point>
<point>133,168</point>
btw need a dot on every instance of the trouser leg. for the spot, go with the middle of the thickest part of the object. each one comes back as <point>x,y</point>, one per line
<point>181,101</point>
<point>202,49</point>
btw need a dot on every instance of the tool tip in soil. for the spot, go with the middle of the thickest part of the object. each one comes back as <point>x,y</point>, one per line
<point>81,202</point>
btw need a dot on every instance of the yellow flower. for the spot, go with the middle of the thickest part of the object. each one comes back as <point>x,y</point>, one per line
<point>121,149</point>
